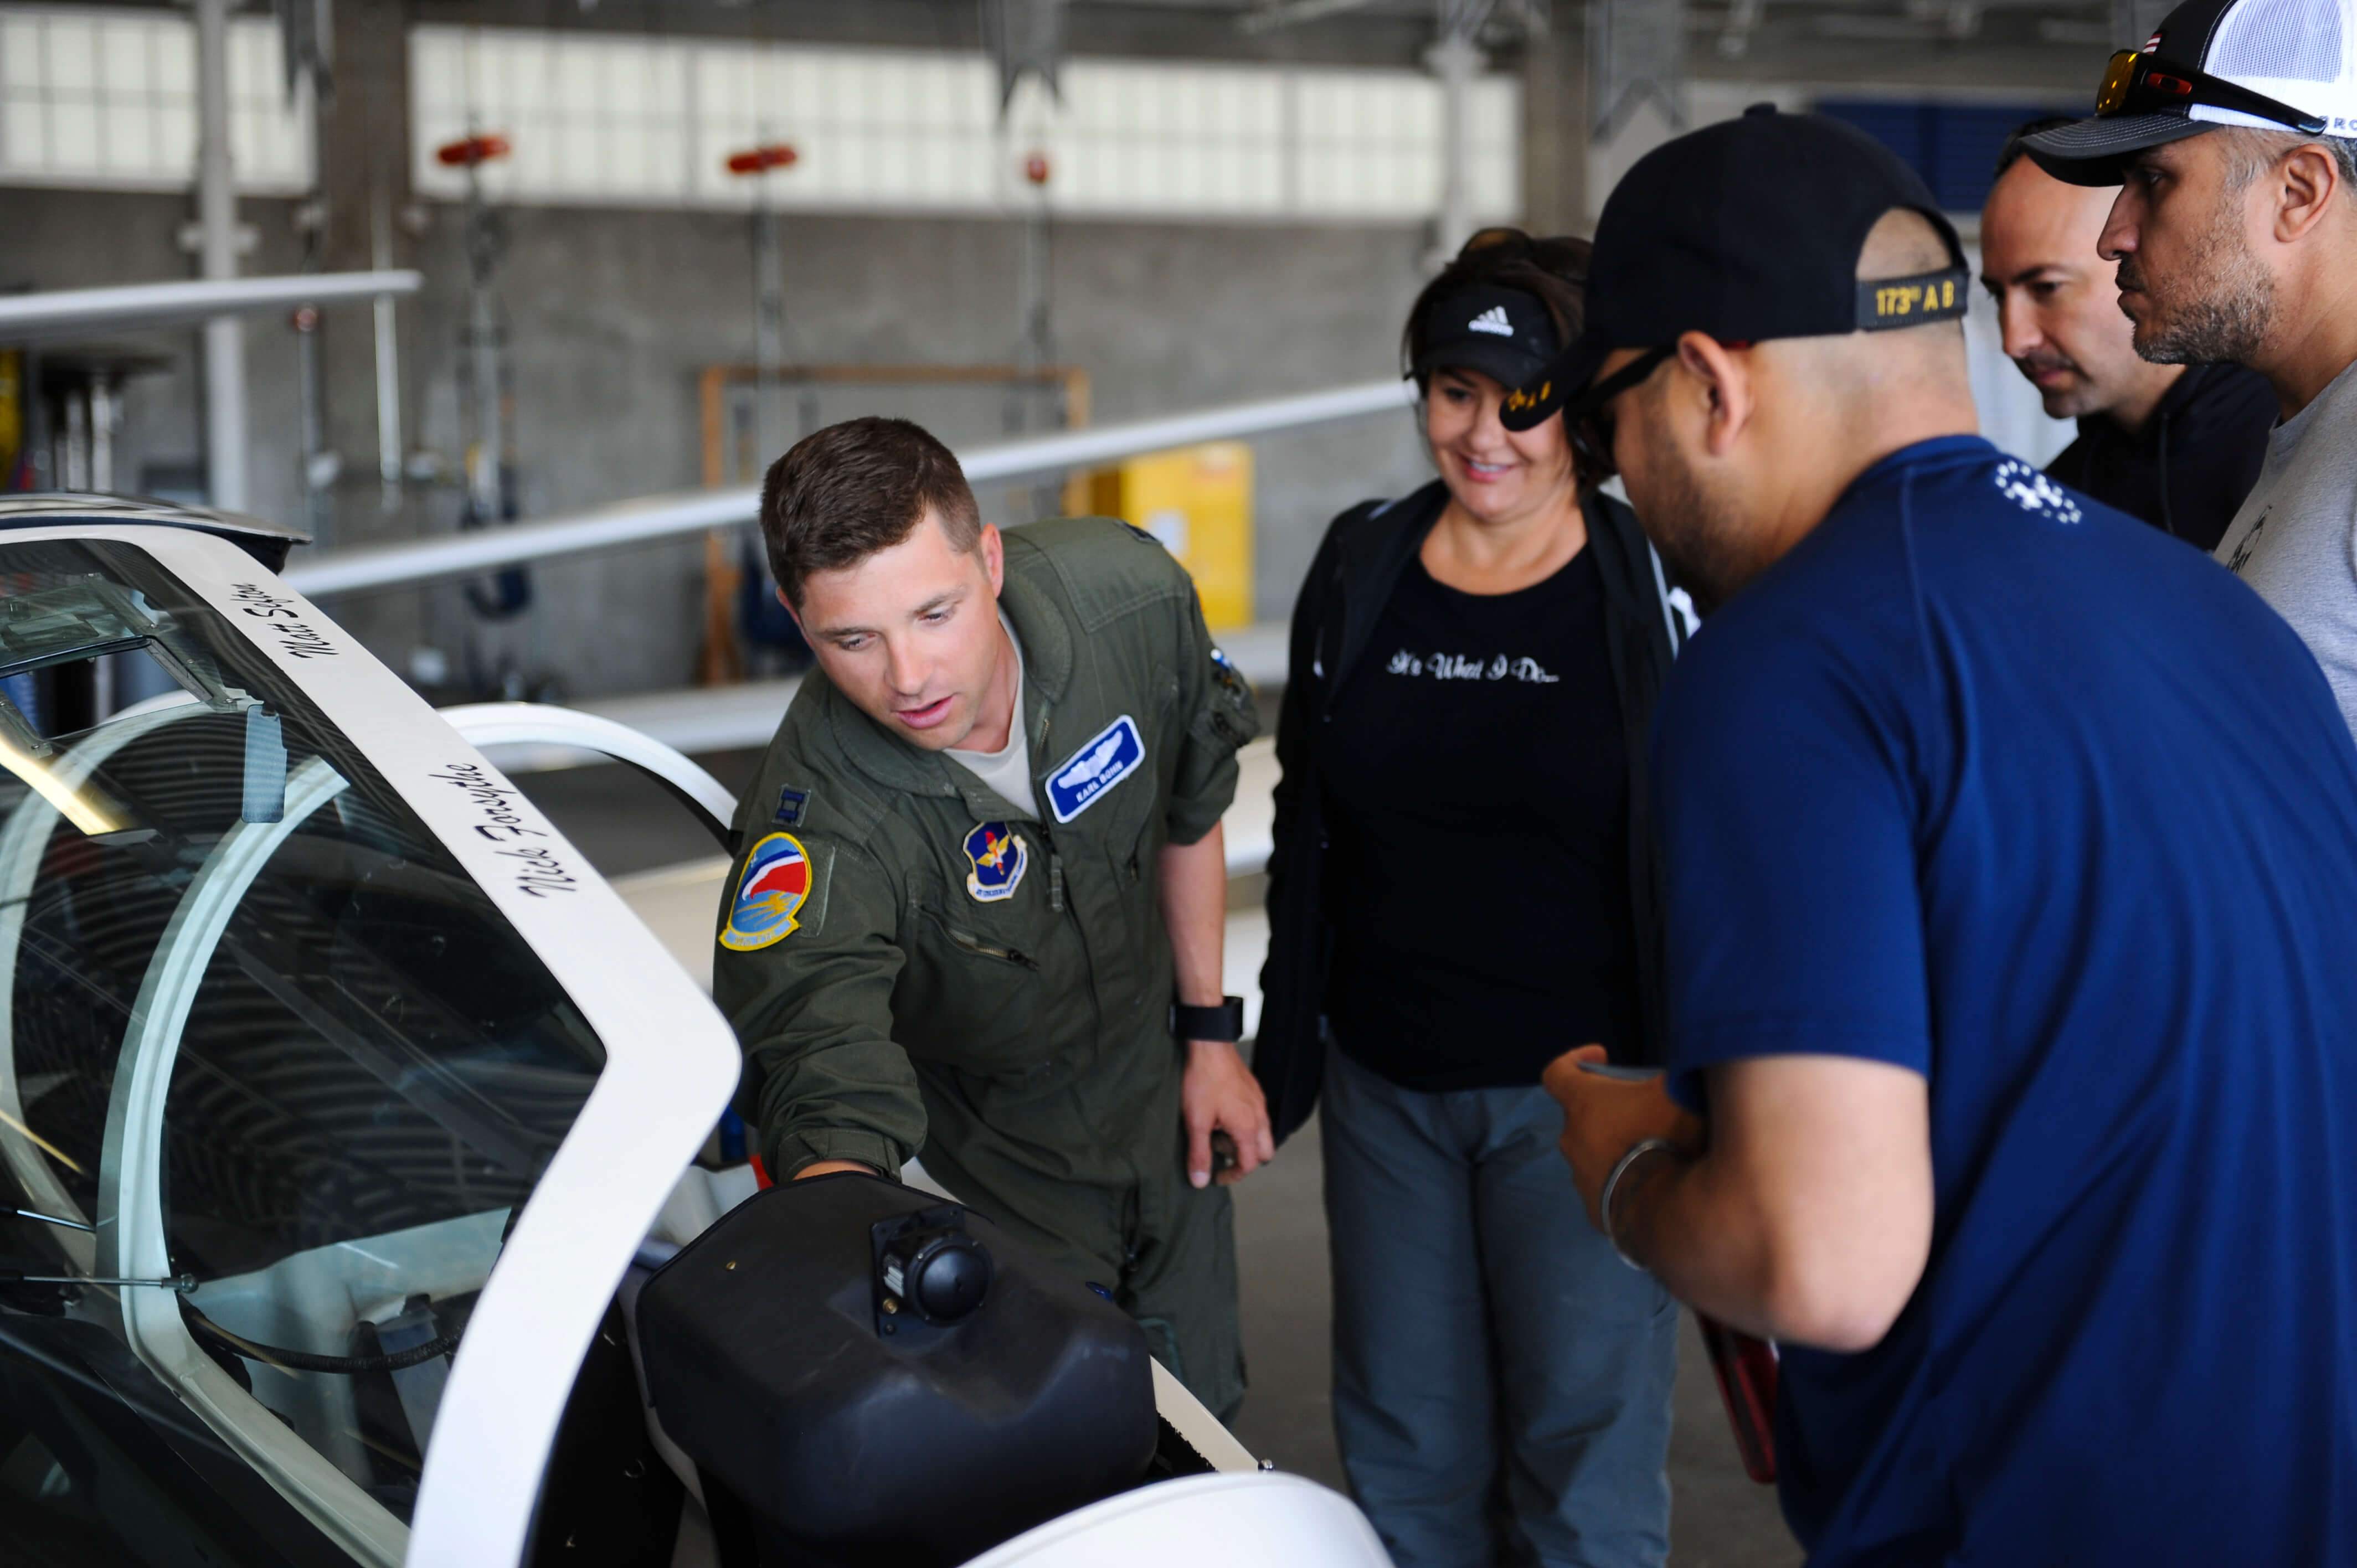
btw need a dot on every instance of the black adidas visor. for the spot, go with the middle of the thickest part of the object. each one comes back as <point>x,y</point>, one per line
<point>1504,333</point>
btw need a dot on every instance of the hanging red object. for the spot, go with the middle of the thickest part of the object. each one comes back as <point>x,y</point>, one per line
<point>1747,1371</point>
<point>761,161</point>
<point>1035,168</point>
<point>469,151</point>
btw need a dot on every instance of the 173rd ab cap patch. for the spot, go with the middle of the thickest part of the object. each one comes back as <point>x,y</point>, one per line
<point>1885,302</point>
<point>776,882</point>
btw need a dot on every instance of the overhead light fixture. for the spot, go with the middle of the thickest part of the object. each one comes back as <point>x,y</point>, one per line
<point>82,804</point>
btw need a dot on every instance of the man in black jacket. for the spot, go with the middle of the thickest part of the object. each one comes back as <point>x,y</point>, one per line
<point>2176,446</point>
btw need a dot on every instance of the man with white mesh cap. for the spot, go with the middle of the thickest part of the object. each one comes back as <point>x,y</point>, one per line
<point>2230,135</point>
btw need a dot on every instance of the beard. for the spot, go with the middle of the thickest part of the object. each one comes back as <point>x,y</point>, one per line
<point>1694,532</point>
<point>2216,308</point>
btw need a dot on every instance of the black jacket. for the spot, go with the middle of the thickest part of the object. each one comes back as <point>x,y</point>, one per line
<point>2191,465</point>
<point>1342,598</point>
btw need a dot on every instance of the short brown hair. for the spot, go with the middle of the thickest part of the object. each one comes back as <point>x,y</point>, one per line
<point>2250,150</point>
<point>843,493</point>
<point>1551,271</point>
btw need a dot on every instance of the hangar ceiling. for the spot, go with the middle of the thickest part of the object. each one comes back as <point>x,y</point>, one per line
<point>1960,45</point>
<point>1996,41</point>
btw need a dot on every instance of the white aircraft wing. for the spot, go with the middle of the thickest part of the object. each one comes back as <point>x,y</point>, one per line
<point>149,306</point>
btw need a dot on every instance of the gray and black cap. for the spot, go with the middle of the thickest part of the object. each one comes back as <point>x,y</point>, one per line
<point>1746,230</point>
<point>2269,65</point>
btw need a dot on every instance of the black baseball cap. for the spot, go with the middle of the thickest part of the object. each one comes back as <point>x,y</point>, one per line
<point>2275,65</point>
<point>1504,333</point>
<point>1747,229</point>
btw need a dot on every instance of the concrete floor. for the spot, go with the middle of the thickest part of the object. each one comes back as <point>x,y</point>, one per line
<point>1719,1518</point>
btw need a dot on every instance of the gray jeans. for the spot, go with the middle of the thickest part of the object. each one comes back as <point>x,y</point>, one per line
<point>1502,1380</point>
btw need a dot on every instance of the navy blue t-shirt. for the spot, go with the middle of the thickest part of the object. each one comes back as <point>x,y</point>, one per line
<point>1994,783</point>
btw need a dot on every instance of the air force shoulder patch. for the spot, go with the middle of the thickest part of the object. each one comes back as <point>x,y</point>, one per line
<point>1115,753</point>
<point>776,882</point>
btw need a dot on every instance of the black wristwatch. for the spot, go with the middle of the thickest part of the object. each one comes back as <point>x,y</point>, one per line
<point>1225,1022</point>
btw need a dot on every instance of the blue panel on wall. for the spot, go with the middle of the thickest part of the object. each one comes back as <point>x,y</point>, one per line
<point>1953,146</point>
<point>1904,128</point>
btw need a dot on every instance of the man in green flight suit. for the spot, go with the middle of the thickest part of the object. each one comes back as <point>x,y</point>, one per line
<point>979,904</point>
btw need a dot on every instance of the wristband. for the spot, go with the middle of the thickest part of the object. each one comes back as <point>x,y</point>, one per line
<point>1636,1151</point>
<point>1225,1022</point>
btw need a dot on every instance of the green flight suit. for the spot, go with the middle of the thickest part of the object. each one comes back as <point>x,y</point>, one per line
<point>904,977</point>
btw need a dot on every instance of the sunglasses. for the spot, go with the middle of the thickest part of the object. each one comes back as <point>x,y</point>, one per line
<point>2137,83</point>
<point>1592,431</point>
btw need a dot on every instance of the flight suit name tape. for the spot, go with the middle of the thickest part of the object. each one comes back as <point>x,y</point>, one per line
<point>1109,757</point>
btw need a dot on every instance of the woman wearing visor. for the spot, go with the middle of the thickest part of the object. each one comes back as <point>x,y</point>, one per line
<point>1463,889</point>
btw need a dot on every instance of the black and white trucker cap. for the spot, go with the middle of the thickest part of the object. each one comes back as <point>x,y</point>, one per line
<point>1504,333</point>
<point>2271,65</point>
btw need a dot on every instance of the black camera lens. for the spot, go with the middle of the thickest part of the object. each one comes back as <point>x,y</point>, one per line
<point>940,1275</point>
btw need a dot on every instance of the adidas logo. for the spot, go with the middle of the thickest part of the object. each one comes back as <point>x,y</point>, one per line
<point>1491,320</point>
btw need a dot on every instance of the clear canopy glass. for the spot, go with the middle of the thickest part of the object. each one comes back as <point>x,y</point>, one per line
<point>252,1001</point>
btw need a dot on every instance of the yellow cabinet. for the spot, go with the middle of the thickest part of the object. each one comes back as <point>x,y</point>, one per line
<point>1198,502</point>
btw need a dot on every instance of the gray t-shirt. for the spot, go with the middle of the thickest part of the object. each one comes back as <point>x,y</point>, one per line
<point>2295,539</point>
<point>1007,770</point>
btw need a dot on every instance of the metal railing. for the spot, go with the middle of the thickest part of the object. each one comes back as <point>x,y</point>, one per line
<point>65,313</point>
<point>663,517</point>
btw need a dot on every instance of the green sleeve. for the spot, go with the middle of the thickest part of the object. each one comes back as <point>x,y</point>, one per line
<point>1216,711</point>
<point>813,1013</point>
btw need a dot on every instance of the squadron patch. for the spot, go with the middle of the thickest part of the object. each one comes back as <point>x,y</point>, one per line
<point>999,856</point>
<point>1117,752</point>
<point>776,882</point>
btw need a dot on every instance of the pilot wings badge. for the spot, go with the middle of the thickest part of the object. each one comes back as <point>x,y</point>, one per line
<point>1103,762</point>
<point>998,855</point>
<point>776,882</point>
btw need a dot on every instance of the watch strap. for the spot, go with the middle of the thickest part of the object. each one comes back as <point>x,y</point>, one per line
<point>1225,1022</point>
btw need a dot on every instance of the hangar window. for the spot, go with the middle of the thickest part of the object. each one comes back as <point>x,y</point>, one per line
<point>108,98</point>
<point>262,1036</point>
<point>616,120</point>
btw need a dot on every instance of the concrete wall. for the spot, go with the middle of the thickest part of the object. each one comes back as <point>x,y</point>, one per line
<point>611,315</point>
<point>71,239</point>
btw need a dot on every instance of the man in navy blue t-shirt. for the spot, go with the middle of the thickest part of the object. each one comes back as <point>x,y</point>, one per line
<point>2012,859</point>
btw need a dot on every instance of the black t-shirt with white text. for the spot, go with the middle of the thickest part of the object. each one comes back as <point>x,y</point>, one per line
<point>1477,787</point>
